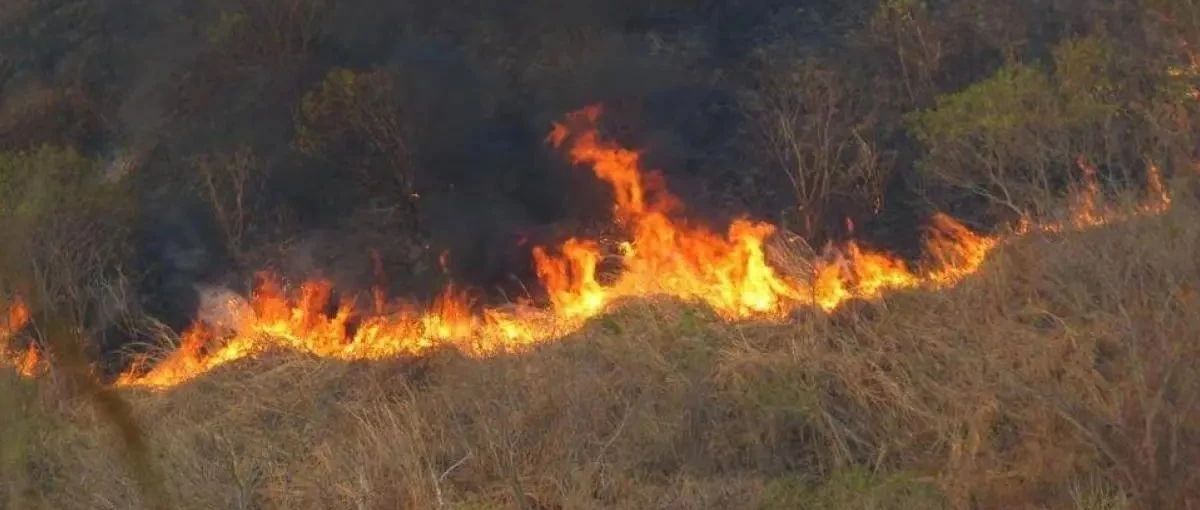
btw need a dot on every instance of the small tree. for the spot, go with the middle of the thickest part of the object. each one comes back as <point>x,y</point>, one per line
<point>358,118</point>
<point>1013,138</point>
<point>819,135</point>
<point>270,31</point>
<point>231,184</point>
<point>909,31</point>
<point>67,235</point>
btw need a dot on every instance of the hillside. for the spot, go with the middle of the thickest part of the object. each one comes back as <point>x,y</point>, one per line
<point>1059,376</point>
<point>599,254</point>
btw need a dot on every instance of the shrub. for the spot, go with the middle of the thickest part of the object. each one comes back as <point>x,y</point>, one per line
<point>1012,137</point>
<point>231,185</point>
<point>67,232</point>
<point>818,132</point>
<point>269,31</point>
<point>353,112</point>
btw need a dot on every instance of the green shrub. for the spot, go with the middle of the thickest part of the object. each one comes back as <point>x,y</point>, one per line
<point>67,231</point>
<point>852,488</point>
<point>1012,138</point>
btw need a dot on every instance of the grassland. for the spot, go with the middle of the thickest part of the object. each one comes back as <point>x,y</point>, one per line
<point>1062,375</point>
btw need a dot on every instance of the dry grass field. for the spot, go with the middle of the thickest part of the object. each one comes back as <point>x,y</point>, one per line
<point>1062,375</point>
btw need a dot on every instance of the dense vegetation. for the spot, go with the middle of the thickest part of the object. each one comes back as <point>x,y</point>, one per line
<point>146,147</point>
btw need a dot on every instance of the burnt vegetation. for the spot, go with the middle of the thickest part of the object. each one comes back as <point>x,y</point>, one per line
<point>147,147</point>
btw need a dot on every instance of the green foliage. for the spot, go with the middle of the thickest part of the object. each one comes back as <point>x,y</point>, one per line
<point>227,27</point>
<point>1013,137</point>
<point>35,184</point>
<point>66,225</point>
<point>1087,81</point>
<point>1025,98</point>
<point>852,489</point>
<point>270,32</point>
<point>366,123</point>
<point>785,390</point>
<point>333,111</point>
<point>1016,97</point>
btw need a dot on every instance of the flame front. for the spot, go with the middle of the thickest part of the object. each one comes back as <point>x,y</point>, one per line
<point>664,254</point>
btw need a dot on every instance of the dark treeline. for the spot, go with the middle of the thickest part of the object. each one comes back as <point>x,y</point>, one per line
<point>146,146</point>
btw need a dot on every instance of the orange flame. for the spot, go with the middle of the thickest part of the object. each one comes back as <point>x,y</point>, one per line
<point>30,362</point>
<point>570,278</point>
<point>17,317</point>
<point>664,254</point>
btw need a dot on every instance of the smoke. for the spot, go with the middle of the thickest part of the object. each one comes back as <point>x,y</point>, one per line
<point>222,309</point>
<point>478,86</point>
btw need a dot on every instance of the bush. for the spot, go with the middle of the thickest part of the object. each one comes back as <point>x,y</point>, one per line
<point>231,184</point>
<point>1011,138</point>
<point>357,115</point>
<point>819,133</point>
<point>269,31</point>
<point>67,232</point>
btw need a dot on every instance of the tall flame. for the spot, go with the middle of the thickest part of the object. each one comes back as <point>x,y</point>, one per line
<point>665,255</point>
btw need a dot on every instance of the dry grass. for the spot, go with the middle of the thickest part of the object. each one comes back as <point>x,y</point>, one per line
<point>1062,376</point>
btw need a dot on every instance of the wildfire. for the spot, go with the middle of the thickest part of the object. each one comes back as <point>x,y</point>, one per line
<point>17,317</point>
<point>1088,209</point>
<point>664,254</point>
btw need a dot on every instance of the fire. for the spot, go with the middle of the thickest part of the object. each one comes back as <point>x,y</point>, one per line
<point>17,317</point>
<point>1158,199</point>
<point>30,362</point>
<point>570,278</point>
<point>664,253</point>
<point>954,250</point>
<point>1088,210</point>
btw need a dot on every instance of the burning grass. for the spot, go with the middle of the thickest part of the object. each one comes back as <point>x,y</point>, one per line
<point>1058,375</point>
<point>666,254</point>
<point>1043,367</point>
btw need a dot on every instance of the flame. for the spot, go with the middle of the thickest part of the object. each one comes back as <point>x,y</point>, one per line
<point>1158,199</point>
<point>1088,210</point>
<point>30,362</point>
<point>954,250</point>
<point>570,278</point>
<point>1085,209</point>
<point>17,317</point>
<point>663,254</point>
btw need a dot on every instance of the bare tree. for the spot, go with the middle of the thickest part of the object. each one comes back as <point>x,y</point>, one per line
<point>817,135</point>
<point>230,184</point>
